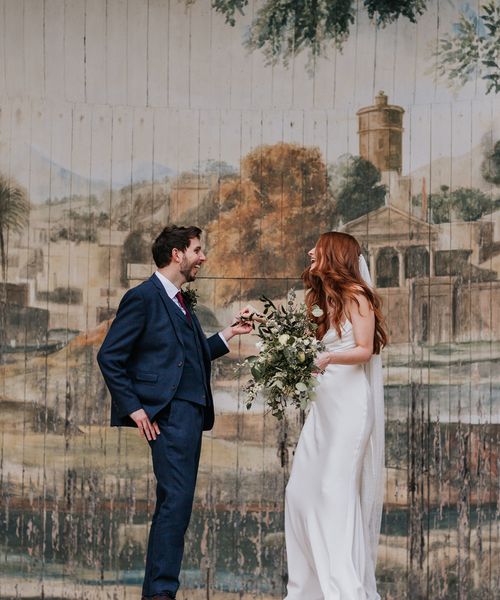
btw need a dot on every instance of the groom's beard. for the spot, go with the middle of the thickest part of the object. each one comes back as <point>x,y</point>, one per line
<point>188,269</point>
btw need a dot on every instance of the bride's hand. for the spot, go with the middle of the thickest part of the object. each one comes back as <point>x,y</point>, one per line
<point>248,315</point>
<point>322,361</point>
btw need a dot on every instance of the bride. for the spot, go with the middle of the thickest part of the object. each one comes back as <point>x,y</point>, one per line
<point>334,496</point>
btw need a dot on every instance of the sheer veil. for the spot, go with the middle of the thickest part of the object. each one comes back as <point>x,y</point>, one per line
<point>372,481</point>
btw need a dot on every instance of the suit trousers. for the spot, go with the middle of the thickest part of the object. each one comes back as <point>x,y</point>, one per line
<point>175,454</point>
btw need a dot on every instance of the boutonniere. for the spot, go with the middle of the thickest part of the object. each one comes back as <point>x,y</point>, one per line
<point>190,296</point>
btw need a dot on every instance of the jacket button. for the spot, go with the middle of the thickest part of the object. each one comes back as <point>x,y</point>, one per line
<point>180,364</point>
<point>173,387</point>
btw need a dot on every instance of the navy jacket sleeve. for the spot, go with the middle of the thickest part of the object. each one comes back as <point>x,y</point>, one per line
<point>116,349</point>
<point>216,346</point>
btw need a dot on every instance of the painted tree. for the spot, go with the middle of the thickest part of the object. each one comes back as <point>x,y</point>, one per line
<point>285,28</point>
<point>14,215</point>
<point>473,49</point>
<point>356,187</point>
<point>463,204</point>
<point>440,205</point>
<point>135,250</point>
<point>490,167</point>
<point>257,232</point>
<point>470,204</point>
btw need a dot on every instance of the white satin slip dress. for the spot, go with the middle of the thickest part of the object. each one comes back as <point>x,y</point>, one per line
<point>325,529</point>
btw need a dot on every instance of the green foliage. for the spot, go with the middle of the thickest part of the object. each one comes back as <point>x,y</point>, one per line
<point>387,11</point>
<point>190,297</point>
<point>356,187</point>
<point>14,214</point>
<point>83,227</point>
<point>490,167</point>
<point>440,205</point>
<point>470,204</point>
<point>464,204</point>
<point>283,372</point>
<point>221,168</point>
<point>473,49</point>
<point>14,206</point>
<point>229,7</point>
<point>135,248</point>
<point>282,29</point>
<point>286,27</point>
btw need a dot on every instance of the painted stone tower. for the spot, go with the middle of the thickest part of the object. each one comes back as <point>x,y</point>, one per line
<point>380,134</point>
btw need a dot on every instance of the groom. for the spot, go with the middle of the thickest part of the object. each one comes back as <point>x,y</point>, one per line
<point>156,363</point>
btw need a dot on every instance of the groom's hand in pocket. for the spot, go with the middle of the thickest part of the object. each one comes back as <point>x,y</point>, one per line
<point>149,430</point>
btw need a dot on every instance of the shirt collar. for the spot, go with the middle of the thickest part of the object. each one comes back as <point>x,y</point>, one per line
<point>170,288</point>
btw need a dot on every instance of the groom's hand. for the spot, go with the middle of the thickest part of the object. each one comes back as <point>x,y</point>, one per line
<point>242,324</point>
<point>146,428</point>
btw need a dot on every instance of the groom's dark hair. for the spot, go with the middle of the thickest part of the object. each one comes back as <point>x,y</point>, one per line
<point>172,237</point>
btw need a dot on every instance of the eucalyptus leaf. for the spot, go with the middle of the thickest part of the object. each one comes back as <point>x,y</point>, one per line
<point>316,311</point>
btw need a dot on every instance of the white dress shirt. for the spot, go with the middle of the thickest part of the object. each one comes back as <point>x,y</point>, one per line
<point>172,290</point>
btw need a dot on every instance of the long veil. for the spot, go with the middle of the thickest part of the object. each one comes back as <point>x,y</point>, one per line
<point>372,481</point>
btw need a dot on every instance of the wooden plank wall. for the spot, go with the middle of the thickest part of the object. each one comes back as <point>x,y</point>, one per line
<point>118,116</point>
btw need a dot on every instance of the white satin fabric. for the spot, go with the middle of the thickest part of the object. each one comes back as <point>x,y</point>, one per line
<point>334,495</point>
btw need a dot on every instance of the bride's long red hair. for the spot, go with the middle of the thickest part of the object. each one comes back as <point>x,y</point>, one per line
<point>336,280</point>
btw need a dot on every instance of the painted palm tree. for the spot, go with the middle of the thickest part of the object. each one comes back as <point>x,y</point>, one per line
<point>14,214</point>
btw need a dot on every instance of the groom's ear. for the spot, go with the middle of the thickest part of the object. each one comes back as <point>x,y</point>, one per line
<point>176,255</point>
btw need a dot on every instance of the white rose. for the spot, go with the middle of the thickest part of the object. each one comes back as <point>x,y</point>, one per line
<point>283,339</point>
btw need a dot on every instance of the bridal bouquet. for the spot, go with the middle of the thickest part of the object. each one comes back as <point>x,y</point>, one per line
<point>283,371</point>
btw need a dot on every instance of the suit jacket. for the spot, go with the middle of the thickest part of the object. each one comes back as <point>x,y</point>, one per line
<point>142,356</point>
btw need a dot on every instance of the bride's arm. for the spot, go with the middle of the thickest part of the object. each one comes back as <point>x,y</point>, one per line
<point>363,326</point>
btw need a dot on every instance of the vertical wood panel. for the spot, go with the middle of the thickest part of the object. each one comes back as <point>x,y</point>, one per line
<point>34,64</point>
<point>261,79</point>
<point>3,55</point>
<point>53,27</point>
<point>200,49</point>
<point>158,49</point>
<point>303,85</point>
<point>405,52</point>
<point>96,60</point>
<point>232,78</point>
<point>14,40</point>
<point>385,61</point>
<point>117,51</point>
<point>14,45</point>
<point>365,60</point>
<point>179,55</point>
<point>74,50</point>
<point>137,50</point>
<point>324,81</point>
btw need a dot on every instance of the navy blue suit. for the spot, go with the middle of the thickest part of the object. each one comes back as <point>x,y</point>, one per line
<point>155,358</point>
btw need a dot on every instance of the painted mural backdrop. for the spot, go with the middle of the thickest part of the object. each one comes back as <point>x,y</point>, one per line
<point>119,116</point>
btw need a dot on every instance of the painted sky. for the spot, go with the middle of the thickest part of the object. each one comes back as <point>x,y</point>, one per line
<point>189,91</point>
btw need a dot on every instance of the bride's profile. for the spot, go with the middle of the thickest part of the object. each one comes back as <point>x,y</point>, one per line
<point>335,492</point>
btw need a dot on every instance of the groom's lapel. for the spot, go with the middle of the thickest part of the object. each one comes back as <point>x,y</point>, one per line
<point>169,304</point>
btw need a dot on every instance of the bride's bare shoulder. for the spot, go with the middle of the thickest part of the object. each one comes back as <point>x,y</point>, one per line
<point>359,304</point>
